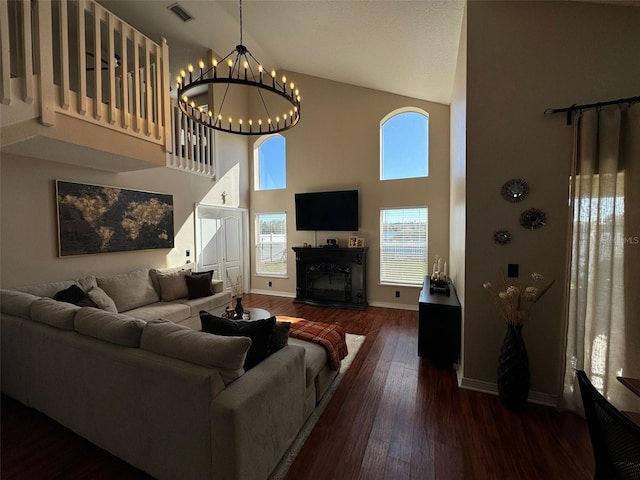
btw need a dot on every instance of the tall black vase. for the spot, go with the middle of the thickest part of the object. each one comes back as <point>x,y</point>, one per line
<point>513,370</point>
<point>239,308</point>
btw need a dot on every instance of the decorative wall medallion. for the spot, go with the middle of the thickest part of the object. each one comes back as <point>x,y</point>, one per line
<point>515,190</point>
<point>502,237</point>
<point>533,218</point>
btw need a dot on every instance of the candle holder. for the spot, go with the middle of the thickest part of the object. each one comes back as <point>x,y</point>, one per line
<point>439,286</point>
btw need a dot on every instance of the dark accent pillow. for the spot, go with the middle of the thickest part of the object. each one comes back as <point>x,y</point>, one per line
<point>208,272</point>
<point>259,331</point>
<point>279,336</point>
<point>198,286</point>
<point>74,294</point>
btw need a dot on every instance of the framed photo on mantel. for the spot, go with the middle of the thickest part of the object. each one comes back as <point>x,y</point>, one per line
<point>100,219</point>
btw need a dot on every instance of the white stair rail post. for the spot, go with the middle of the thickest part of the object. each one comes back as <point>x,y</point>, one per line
<point>27,61</point>
<point>5,54</point>
<point>45,52</point>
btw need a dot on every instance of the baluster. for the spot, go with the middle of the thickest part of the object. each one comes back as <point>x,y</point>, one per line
<point>124,32</point>
<point>5,56</point>
<point>64,55</point>
<point>82,60</point>
<point>27,61</point>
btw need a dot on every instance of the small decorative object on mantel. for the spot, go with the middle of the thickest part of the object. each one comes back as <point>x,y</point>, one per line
<point>513,302</point>
<point>515,190</point>
<point>502,237</point>
<point>439,282</point>
<point>533,218</point>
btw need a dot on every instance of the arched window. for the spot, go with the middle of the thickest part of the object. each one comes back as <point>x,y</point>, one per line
<point>270,163</point>
<point>404,144</point>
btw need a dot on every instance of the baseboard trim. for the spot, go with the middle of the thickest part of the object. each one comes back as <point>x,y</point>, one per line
<point>273,292</point>
<point>492,389</point>
<point>399,306</point>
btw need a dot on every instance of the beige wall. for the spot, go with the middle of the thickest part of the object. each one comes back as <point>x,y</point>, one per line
<point>28,241</point>
<point>458,226</point>
<point>525,57</point>
<point>336,147</point>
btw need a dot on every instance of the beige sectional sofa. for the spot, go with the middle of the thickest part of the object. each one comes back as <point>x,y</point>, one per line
<point>137,378</point>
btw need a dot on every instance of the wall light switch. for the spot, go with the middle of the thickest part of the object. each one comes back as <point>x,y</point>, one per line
<point>512,270</point>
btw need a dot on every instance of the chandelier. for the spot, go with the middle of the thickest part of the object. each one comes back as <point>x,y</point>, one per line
<point>235,83</point>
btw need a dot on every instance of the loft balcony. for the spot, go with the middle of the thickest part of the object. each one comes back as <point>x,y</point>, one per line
<point>80,86</point>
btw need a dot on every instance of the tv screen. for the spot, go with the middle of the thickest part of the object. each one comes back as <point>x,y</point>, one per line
<point>332,211</point>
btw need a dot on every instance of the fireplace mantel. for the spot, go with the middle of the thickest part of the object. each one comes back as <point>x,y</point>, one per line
<point>331,277</point>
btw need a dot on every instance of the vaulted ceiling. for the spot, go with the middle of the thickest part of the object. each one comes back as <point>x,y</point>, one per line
<point>403,47</point>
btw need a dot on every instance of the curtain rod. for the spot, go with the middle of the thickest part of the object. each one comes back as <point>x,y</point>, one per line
<point>574,107</point>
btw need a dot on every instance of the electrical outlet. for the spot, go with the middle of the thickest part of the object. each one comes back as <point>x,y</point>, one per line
<point>397,293</point>
<point>270,284</point>
<point>187,253</point>
<point>512,270</point>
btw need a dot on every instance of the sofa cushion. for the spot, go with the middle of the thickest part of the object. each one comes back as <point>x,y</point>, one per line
<point>50,289</point>
<point>175,312</point>
<point>110,327</point>
<point>173,285</point>
<point>101,299</point>
<point>54,313</point>
<point>129,290</point>
<point>226,354</point>
<point>16,303</point>
<point>199,285</point>
<point>315,358</point>
<point>259,331</point>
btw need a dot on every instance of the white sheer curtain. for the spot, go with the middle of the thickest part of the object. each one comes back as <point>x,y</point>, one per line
<point>603,330</point>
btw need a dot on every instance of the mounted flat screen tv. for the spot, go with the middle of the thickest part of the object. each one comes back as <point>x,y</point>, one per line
<point>327,211</point>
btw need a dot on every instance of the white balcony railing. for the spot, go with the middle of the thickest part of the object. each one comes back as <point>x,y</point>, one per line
<point>193,147</point>
<point>75,58</point>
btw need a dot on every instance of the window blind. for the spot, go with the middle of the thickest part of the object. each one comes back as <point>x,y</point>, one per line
<point>403,245</point>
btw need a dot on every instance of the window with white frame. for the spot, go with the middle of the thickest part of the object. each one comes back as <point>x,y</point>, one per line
<point>404,144</point>
<point>270,163</point>
<point>403,245</point>
<point>271,244</point>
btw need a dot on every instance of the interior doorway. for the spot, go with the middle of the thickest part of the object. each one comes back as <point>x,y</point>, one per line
<point>222,234</point>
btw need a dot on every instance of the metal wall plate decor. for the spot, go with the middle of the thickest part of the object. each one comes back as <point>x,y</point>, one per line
<point>515,190</point>
<point>533,218</point>
<point>502,237</point>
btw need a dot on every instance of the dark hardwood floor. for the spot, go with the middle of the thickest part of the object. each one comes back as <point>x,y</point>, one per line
<point>393,416</point>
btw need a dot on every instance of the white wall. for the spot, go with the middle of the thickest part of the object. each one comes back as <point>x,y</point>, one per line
<point>28,236</point>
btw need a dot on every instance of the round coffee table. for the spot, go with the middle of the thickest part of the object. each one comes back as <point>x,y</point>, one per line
<point>257,313</point>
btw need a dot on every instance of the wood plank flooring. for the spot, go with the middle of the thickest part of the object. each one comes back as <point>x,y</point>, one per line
<point>393,416</point>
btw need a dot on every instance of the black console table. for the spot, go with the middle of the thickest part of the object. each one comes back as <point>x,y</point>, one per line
<point>439,325</point>
<point>331,277</point>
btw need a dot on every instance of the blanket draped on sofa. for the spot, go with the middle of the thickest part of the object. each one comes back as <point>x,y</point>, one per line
<point>331,337</point>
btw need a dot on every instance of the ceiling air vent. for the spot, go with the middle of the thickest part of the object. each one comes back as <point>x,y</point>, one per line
<point>180,12</point>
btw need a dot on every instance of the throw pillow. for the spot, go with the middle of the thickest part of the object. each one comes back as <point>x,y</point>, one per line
<point>75,295</point>
<point>199,285</point>
<point>102,300</point>
<point>259,331</point>
<point>173,285</point>
<point>208,272</point>
<point>279,336</point>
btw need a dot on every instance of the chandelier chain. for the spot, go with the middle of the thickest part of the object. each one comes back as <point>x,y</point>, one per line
<point>241,23</point>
